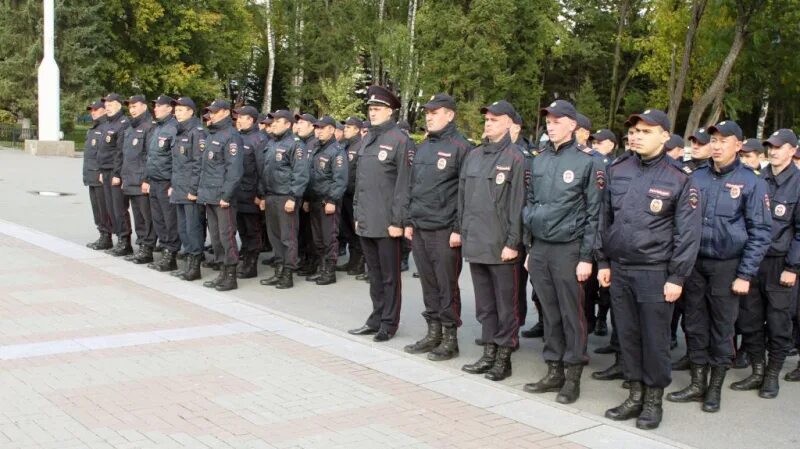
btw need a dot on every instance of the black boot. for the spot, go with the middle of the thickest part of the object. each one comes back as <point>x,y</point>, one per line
<point>696,390</point>
<point>682,364</point>
<point>448,348</point>
<point>404,262</point>
<point>328,275</point>
<point>144,255</point>
<point>794,375</point>
<point>429,341</point>
<point>537,331</point>
<point>650,418</point>
<point>601,328</point>
<point>275,278</point>
<point>103,242</point>
<point>769,388</point>
<point>552,381</point>
<point>713,397</point>
<point>286,280</point>
<point>484,363</point>
<point>192,272</point>
<point>308,268</point>
<point>741,361</point>
<point>320,268</point>
<point>363,276</point>
<point>179,272</point>
<point>358,268</point>
<point>632,406</point>
<point>249,267</point>
<point>607,349</point>
<point>613,372</point>
<point>122,248</point>
<point>213,265</point>
<point>213,283</point>
<point>166,263</point>
<point>753,381</point>
<point>571,390</point>
<point>502,364</point>
<point>229,280</point>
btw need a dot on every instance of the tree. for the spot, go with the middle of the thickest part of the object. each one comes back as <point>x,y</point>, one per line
<point>588,102</point>
<point>676,92</point>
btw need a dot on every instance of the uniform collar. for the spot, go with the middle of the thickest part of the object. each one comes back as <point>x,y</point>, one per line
<point>99,121</point>
<point>161,121</point>
<point>449,129</point>
<point>568,144</point>
<point>354,140</point>
<point>222,124</point>
<point>115,116</point>
<point>323,145</point>
<point>493,147</point>
<point>383,127</point>
<point>783,176</point>
<point>142,118</point>
<point>249,130</point>
<point>188,124</point>
<point>650,162</point>
<point>727,169</point>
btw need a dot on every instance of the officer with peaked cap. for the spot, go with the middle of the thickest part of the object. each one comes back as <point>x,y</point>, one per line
<point>750,154</point>
<point>91,176</point>
<point>351,144</point>
<point>109,158</point>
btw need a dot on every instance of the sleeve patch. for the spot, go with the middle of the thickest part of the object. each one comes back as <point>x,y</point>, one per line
<point>600,179</point>
<point>694,198</point>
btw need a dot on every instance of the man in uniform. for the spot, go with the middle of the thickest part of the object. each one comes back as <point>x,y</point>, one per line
<point>158,182</point>
<point>765,320</point>
<point>561,215</point>
<point>109,158</point>
<point>736,235</point>
<point>380,201</point>
<point>187,162</point>
<point>432,221</point>
<point>309,259</point>
<point>674,147</point>
<point>323,198</point>
<point>91,177</point>
<point>701,149</point>
<point>134,166</point>
<point>249,217</point>
<point>219,182</point>
<point>584,129</point>
<point>750,154</point>
<point>351,144</point>
<point>491,194</point>
<point>283,176</point>
<point>645,259</point>
<point>604,141</point>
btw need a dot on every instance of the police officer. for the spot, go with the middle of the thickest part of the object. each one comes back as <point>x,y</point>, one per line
<point>338,133</point>
<point>351,145</point>
<point>604,142</point>
<point>736,235</point>
<point>283,179</point>
<point>674,147</point>
<point>220,177</point>
<point>648,241</point>
<point>750,154</point>
<point>249,217</point>
<point>584,129</point>
<point>491,194</point>
<point>157,182</point>
<point>109,158</point>
<point>134,166</point>
<point>561,214</point>
<point>91,176</point>
<point>309,259</point>
<point>384,169</point>
<point>432,221</point>
<point>187,162</point>
<point>774,299</point>
<point>701,149</point>
<point>323,198</point>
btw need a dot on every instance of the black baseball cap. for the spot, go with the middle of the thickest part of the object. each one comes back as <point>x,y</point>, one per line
<point>751,145</point>
<point>441,100</point>
<point>306,116</point>
<point>727,128</point>
<point>112,97</point>
<point>340,126</point>
<point>501,107</point>
<point>366,124</point>
<point>583,121</point>
<point>700,136</point>
<point>403,124</point>
<point>163,100</point>
<point>247,110</point>
<point>354,121</point>
<point>381,96</point>
<point>651,117</point>
<point>96,105</point>
<point>560,108</point>
<point>782,136</point>
<point>265,119</point>
<point>135,99</point>
<point>675,141</point>
<point>281,113</point>
<point>324,121</point>
<point>516,118</point>
<point>604,134</point>
<point>217,105</point>
<point>184,101</point>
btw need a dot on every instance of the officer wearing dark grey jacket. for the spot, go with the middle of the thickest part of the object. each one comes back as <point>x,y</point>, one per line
<point>109,158</point>
<point>351,145</point>
<point>561,215</point>
<point>91,176</point>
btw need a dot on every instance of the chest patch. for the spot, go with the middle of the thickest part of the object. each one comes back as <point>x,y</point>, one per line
<point>568,176</point>
<point>656,205</point>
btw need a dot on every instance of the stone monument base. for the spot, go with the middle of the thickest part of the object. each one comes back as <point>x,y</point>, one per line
<point>50,148</point>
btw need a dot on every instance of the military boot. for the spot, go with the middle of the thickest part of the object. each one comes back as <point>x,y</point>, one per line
<point>754,380</point>
<point>228,281</point>
<point>448,348</point>
<point>213,283</point>
<point>431,340</point>
<point>358,268</point>
<point>571,390</point>
<point>631,407</point>
<point>249,267</point>
<point>682,364</point>
<point>275,278</point>
<point>484,363</point>
<point>286,280</point>
<point>650,418</point>
<point>144,255</point>
<point>318,270</point>
<point>613,372</point>
<point>713,398</point>
<point>166,263</point>
<point>552,381</point>
<point>794,375</point>
<point>769,388</point>
<point>192,268</point>
<point>696,390</point>
<point>102,243</point>
<point>501,368</point>
<point>328,275</point>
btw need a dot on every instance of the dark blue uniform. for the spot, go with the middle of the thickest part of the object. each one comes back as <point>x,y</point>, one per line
<point>356,261</point>
<point>249,217</point>
<point>159,175</point>
<point>109,158</point>
<point>327,186</point>
<point>134,161</point>
<point>649,235</point>
<point>188,150</point>
<point>91,179</point>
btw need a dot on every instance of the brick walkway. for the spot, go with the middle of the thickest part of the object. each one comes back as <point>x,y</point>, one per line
<point>98,353</point>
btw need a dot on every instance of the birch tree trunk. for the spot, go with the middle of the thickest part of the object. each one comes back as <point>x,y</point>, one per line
<point>762,115</point>
<point>698,7</point>
<point>410,82</point>
<point>266,106</point>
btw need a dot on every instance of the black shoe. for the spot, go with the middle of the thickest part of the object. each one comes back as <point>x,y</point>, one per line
<point>794,375</point>
<point>213,283</point>
<point>286,280</point>
<point>552,381</point>
<point>328,275</point>
<point>317,272</point>
<point>793,352</point>
<point>363,330</point>
<point>382,335</point>
<point>192,271</point>
<point>431,340</point>
<point>158,248</point>
<point>770,387</point>
<point>249,266</point>
<point>362,277</point>
<point>502,365</point>
<point>697,388</point>
<point>309,268</point>
<point>605,350</point>
<point>479,342</point>
<point>754,380</point>
<point>713,398</point>
<point>213,265</point>
<point>144,255</point>
<point>571,390</point>
<point>601,329</point>
<point>536,331</point>
<point>122,248</point>
<point>275,278</point>
<point>631,407</point>
<point>357,268</point>
<point>673,343</point>
<point>613,372</point>
<point>626,384</point>
<point>102,243</point>
<point>682,364</point>
<point>229,280</point>
<point>167,262</point>
<point>741,361</point>
<point>415,275</point>
<point>404,264</point>
<point>448,348</point>
<point>483,364</point>
<point>268,261</point>
<point>652,412</point>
